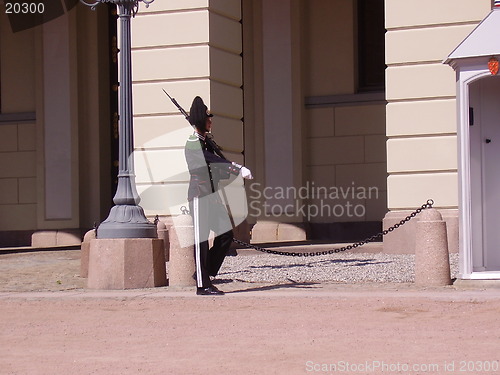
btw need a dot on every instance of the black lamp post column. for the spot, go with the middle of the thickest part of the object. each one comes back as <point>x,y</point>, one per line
<point>126,219</point>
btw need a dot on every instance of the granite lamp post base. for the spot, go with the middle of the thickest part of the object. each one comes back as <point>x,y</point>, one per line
<point>126,263</point>
<point>126,221</point>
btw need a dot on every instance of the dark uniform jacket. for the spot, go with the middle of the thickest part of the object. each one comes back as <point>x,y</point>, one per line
<point>205,167</point>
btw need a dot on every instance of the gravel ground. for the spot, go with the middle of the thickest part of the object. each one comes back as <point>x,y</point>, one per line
<point>40,271</point>
<point>59,270</point>
<point>342,267</point>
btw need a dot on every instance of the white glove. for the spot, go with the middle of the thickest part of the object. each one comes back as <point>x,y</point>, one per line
<point>246,174</point>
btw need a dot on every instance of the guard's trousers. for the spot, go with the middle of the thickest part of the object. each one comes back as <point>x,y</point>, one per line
<point>209,215</point>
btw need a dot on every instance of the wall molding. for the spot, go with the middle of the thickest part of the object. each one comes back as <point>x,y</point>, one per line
<point>346,100</point>
<point>9,118</point>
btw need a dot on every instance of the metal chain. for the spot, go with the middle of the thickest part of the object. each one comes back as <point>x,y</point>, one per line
<point>428,204</point>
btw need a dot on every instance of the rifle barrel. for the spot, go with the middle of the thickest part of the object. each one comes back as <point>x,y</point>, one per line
<point>177,105</point>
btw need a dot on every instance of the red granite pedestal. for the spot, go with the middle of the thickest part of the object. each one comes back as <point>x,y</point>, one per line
<point>126,263</point>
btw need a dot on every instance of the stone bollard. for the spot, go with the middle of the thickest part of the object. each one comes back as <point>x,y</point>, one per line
<point>163,235</point>
<point>84,254</point>
<point>432,262</point>
<point>181,266</point>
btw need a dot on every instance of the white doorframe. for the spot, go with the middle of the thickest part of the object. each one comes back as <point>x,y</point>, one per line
<point>466,76</point>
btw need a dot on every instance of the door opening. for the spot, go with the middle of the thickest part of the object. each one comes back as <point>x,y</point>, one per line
<point>484,135</point>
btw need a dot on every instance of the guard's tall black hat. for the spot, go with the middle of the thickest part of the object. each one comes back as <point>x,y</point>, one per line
<point>198,113</point>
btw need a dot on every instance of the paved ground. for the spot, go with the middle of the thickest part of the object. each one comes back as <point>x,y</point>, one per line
<point>50,324</point>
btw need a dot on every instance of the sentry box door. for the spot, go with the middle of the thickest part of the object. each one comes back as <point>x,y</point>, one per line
<point>484,128</point>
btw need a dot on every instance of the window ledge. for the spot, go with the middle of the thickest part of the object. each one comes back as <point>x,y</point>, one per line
<point>9,118</point>
<point>345,100</point>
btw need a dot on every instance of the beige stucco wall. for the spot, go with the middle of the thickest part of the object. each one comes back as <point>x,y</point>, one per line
<point>335,145</point>
<point>345,142</point>
<point>67,53</point>
<point>94,117</point>
<point>421,110</point>
<point>347,151</point>
<point>194,50</point>
<point>329,47</point>
<point>18,207</point>
<point>193,47</point>
<point>17,176</point>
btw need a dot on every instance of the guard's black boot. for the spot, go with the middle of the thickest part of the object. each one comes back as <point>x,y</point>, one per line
<point>231,253</point>
<point>209,291</point>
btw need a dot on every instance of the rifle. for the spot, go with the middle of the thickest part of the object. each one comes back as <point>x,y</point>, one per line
<point>177,105</point>
<point>209,136</point>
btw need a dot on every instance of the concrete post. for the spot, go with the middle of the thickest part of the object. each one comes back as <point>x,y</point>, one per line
<point>84,253</point>
<point>432,262</point>
<point>163,235</point>
<point>181,266</point>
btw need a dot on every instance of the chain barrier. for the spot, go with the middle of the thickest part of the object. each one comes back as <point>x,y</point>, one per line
<point>426,205</point>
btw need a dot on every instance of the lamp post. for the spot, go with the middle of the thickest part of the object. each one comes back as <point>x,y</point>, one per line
<point>126,219</point>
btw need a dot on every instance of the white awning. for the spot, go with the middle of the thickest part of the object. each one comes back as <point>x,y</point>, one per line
<point>484,40</point>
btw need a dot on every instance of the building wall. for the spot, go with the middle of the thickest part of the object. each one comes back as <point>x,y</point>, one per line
<point>345,134</point>
<point>329,47</point>
<point>194,50</point>
<point>17,175</point>
<point>421,109</point>
<point>421,113</point>
<point>338,136</point>
<point>347,152</point>
<point>55,150</point>
<point>193,47</point>
<point>54,112</point>
<point>18,172</point>
<point>96,122</point>
<point>274,110</point>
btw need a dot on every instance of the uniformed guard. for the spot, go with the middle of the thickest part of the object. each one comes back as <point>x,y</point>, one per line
<point>207,166</point>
